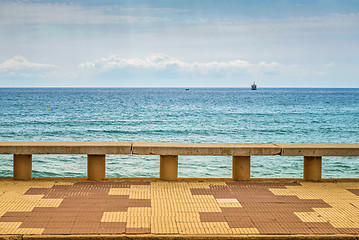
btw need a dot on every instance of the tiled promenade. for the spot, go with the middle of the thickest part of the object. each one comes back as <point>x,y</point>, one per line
<point>195,207</point>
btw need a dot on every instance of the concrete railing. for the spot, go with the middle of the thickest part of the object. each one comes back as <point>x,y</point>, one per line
<point>169,152</point>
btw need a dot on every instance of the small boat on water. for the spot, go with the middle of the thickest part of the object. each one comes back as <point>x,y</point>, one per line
<point>254,86</point>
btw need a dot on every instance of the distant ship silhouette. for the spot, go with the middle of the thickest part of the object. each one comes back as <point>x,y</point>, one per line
<point>254,86</point>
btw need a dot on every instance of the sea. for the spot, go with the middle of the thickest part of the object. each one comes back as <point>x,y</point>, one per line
<point>197,115</point>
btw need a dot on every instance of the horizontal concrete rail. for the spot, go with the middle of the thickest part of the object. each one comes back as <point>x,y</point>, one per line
<point>95,148</point>
<point>96,155</point>
<point>169,152</point>
<point>318,150</point>
<point>205,149</point>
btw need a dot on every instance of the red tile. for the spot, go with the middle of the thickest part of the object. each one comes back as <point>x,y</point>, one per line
<point>349,230</point>
<point>113,225</point>
<point>33,224</point>
<point>12,219</point>
<point>324,230</point>
<point>58,231</point>
<point>248,224</point>
<point>84,230</point>
<point>63,219</point>
<point>63,225</point>
<point>238,219</point>
<point>112,230</point>
<point>86,224</point>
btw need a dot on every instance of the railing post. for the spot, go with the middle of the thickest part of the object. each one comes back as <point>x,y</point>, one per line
<point>168,167</point>
<point>22,166</point>
<point>96,167</point>
<point>312,168</point>
<point>241,167</point>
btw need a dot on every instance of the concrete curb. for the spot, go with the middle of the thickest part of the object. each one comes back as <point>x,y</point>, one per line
<point>178,237</point>
<point>185,237</point>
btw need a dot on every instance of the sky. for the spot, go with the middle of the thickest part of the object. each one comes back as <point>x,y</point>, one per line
<point>179,43</point>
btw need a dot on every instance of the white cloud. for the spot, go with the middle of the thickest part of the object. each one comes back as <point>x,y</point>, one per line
<point>20,63</point>
<point>20,66</point>
<point>159,62</point>
<point>329,65</point>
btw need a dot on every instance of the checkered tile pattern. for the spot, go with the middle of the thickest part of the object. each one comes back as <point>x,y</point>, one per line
<point>183,207</point>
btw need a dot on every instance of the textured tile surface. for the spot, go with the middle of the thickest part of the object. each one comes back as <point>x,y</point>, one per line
<point>193,207</point>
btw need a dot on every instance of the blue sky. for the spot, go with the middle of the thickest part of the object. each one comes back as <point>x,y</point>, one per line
<point>197,43</point>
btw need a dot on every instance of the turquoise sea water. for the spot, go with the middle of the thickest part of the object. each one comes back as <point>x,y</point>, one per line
<point>177,115</point>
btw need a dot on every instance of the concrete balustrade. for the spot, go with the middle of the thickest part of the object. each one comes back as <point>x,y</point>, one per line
<point>22,167</point>
<point>96,167</point>
<point>241,167</point>
<point>241,154</point>
<point>313,152</point>
<point>312,168</point>
<point>168,167</point>
<point>95,151</point>
<point>205,149</point>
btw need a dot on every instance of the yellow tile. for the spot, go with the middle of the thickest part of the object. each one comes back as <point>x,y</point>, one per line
<point>114,217</point>
<point>29,231</point>
<point>310,217</point>
<point>245,231</point>
<point>49,203</point>
<point>119,191</point>
<point>281,192</point>
<point>10,224</point>
<point>138,222</point>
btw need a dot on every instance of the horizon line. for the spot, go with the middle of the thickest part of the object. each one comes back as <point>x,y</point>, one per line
<point>167,87</point>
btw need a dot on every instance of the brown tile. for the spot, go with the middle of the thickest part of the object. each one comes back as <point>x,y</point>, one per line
<point>139,203</point>
<point>238,219</point>
<point>44,209</point>
<point>324,231</point>
<point>52,231</point>
<point>68,209</point>
<point>267,217</point>
<point>113,225</point>
<point>63,218</point>
<point>42,214</point>
<point>212,217</point>
<point>34,224</point>
<point>288,225</point>
<point>37,191</point>
<point>318,225</point>
<point>12,219</point>
<point>90,214</point>
<point>114,209</point>
<point>286,217</point>
<point>38,219</point>
<point>66,214</point>
<point>86,224</point>
<point>88,218</point>
<point>17,214</point>
<point>60,224</point>
<point>91,209</point>
<point>112,230</point>
<point>354,191</point>
<point>84,230</point>
<point>248,224</point>
<point>349,230</point>
<point>302,231</point>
